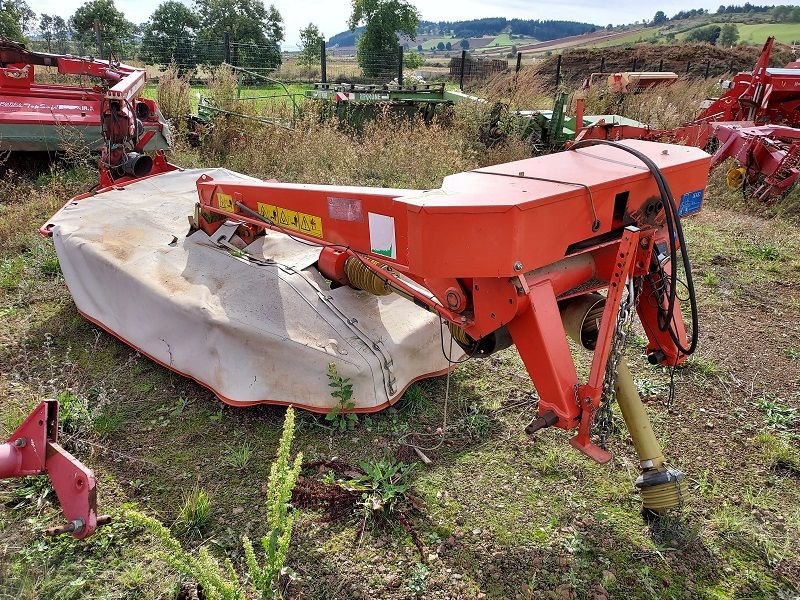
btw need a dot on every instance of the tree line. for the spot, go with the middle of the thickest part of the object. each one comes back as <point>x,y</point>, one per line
<point>541,30</point>
<point>173,32</point>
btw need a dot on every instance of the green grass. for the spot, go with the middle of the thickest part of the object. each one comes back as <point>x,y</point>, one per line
<point>264,96</point>
<point>505,39</point>
<point>751,33</point>
<point>433,42</point>
<point>757,33</point>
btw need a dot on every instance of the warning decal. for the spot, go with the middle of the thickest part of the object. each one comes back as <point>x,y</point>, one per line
<point>225,202</point>
<point>291,219</point>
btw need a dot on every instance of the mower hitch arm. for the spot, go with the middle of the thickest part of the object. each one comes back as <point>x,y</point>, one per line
<point>33,449</point>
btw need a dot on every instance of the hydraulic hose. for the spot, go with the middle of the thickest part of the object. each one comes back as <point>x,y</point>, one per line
<point>674,228</point>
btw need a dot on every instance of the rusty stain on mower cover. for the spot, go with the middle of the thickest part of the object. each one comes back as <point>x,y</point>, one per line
<point>251,332</point>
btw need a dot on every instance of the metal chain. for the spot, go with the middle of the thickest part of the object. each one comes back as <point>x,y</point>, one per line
<point>604,415</point>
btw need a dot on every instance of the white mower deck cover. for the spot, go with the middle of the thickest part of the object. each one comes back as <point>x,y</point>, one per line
<point>250,332</point>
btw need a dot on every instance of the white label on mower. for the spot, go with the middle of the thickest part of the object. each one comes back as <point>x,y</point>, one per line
<point>381,235</point>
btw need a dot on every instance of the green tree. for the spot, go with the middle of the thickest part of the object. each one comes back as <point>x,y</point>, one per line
<point>419,47</point>
<point>413,60</point>
<point>11,21</point>
<point>448,46</point>
<point>247,22</point>
<point>310,45</point>
<point>382,20</point>
<point>440,46</point>
<point>169,35</point>
<point>116,31</point>
<point>729,35</point>
<point>659,18</point>
<point>27,18</point>
<point>709,34</point>
<point>46,30</point>
<point>464,44</point>
<point>62,33</point>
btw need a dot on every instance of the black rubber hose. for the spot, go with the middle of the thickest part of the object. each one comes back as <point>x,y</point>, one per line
<point>674,228</point>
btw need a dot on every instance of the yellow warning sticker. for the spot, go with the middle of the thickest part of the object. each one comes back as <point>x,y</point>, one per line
<point>292,219</point>
<point>225,202</point>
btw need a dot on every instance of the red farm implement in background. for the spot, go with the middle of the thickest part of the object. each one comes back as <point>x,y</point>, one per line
<point>753,122</point>
<point>102,112</point>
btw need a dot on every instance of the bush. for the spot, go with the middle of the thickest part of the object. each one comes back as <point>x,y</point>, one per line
<point>412,60</point>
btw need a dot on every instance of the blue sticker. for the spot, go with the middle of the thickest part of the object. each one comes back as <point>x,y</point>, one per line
<point>691,203</point>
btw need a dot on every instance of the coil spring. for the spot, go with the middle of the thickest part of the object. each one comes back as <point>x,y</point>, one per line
<point>591,324</point>
<point>364,278</point>
<point>459,334</point>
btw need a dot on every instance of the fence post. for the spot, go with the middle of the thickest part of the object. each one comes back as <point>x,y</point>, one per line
<point>634,65</point>
<point>661,65</point>
<point>323,63</point>
<point>226,46</point>
<point>519,61</point>
<point>602,64</point>
<point>400,66</point>
<point>463,65</point>
<point>558,72</point>
<point>708,66</point>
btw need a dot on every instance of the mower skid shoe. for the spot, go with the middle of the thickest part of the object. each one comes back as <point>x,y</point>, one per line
<point>593,451</point>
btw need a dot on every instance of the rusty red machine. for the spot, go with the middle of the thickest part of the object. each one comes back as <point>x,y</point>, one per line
<point>105,112</point>
<point>525,253</point>
<point>753,122</point>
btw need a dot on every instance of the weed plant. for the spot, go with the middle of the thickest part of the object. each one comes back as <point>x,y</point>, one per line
<point>219,579</point>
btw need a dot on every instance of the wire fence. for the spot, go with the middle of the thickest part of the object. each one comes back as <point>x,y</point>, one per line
<point>199,57</point>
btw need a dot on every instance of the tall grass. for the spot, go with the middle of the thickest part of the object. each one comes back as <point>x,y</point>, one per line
<point>525,90</point>
<point>390,151</point>
<point>174,95</point>
<point>662,107</point>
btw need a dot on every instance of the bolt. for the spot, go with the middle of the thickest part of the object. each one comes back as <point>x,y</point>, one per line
<point>21,442</point>
<point>518,266</point>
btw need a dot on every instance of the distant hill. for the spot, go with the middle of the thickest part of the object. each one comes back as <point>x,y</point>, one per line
<point>476,28</point>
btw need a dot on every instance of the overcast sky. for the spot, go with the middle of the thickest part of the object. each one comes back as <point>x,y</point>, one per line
<point>331,15</point>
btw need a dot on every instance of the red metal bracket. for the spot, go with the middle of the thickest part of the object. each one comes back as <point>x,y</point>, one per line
<point>33,449</point>
<point>589,394</point>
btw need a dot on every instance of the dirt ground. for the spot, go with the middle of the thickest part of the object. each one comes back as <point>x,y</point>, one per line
<point>504,516</point>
